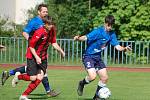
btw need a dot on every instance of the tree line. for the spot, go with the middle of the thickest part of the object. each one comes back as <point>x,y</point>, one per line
<point>74,17</point>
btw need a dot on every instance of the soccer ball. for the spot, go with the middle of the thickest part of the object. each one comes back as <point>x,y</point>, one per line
<point>104,93</point>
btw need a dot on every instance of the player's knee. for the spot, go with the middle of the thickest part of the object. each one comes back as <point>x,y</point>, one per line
<point>92,77</point>
<point>32,78</point>
<point>104,78</point>
<point>40,76</point>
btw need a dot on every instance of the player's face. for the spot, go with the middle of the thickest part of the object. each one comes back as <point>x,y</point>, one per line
<point>43,12</point>
<point>108,27</point>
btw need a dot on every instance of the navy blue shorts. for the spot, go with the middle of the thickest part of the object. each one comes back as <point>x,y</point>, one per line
<point>93,61</point>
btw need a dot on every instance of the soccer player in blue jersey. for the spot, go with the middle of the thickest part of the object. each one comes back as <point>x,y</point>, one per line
<point>97,40</point>
<point>33,24</point>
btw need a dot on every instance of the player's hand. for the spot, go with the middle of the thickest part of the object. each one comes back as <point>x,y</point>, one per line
<point>2,48</point>
<point>38,60</point>
<point>128,48</point>
<point>76,37</point>
<point>63,54</point>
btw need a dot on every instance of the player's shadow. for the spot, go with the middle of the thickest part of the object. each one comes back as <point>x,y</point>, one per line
<point>92,99</point>
<point>85,99</point>
<point>38,96</point>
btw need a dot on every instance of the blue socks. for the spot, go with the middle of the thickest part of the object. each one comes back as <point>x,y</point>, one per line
<point>46,84</point>
<point>21,69</point>
<point>12,72</point>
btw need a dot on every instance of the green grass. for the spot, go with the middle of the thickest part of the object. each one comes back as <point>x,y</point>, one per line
<point>130,65</point>
<point>123,85</point>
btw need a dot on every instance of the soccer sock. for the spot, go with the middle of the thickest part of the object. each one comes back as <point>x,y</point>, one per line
<point>21,69</point>
<point>99,86</point>
<point>31,87</point>
<point>86,81</point>
<point>46,85</point>
<point>12,72</point>
<point>24,77</point>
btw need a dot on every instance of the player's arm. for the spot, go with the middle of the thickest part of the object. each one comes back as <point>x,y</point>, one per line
<point>58,48</point>
<point>121,48</point>
<point>3,48</point>
<point>94,35</point>
<point>80,38</point>
<point>25,35</point>
<point>32,43</point>
<point>115,43</point>
<point>55,44</point>
<point>27,29</point>
<point>38,59</point>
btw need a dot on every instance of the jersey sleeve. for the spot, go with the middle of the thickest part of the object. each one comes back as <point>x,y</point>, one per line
<point>114,40</point>
<point>29,27</point>
<point>35,38</point>
<point>53,34</point>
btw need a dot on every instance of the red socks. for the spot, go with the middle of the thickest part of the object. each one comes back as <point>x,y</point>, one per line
<point>31,87</point>
<point>24,77</point>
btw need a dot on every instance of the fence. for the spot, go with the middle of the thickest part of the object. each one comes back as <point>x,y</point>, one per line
<point>16,49</point>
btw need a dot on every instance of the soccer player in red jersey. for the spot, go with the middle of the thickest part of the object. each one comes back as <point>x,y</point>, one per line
<point>37,56</point>
<point>32,25</point>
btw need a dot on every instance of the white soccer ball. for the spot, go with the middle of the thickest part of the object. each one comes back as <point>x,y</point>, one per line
<point>104,93</point>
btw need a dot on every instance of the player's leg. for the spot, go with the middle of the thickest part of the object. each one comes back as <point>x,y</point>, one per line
<point>89,78</point>
<point>21,69</point>
<point>31,73</point>
<point>91,74</point>
<point>6,74</point>
<point>32,86</point>
<point>103,77</point>
<point>47,87</point>
<point>45,83</point>
<point>33,70</point>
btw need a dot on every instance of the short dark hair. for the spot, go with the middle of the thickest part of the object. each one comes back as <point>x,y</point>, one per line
<point>48,20</point>
<point>41,5</point>
<point>110,20</point>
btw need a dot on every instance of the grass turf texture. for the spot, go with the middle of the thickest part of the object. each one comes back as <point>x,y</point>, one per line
<point>123,85</point>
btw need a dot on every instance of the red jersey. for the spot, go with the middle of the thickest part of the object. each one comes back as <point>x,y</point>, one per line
<point>40,42</point>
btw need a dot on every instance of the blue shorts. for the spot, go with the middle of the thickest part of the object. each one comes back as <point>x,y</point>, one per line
<point>93,61</point>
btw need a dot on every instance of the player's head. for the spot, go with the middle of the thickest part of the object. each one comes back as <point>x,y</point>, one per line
<point>42,10</point>
<point>109,22</point>
<point>48,22</point>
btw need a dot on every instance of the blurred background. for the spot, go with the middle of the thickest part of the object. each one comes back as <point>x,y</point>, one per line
<point>74,17</point>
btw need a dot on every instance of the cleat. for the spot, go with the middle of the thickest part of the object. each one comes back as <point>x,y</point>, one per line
<point>15,79</point>
<point>97,98</point>
<point>23,98</point>
<point>5,76</point>
<point>52,93</point>
<point>80,88</point>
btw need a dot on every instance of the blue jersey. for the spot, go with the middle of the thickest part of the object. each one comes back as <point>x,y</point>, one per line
<point>34,24</point>
<point>98,39</point>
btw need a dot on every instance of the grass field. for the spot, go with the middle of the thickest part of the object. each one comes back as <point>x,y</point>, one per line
<point>123,85</point>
